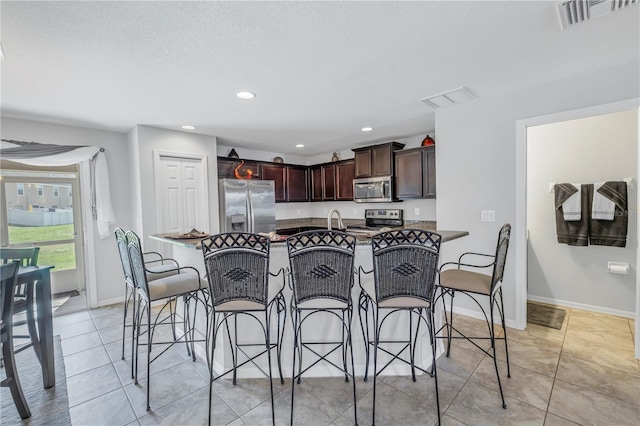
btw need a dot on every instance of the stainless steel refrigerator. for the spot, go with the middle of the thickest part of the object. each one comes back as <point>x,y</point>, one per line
<point>247,205</point>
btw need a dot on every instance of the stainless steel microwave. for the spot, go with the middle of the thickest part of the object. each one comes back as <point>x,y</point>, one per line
<point>373,190</point>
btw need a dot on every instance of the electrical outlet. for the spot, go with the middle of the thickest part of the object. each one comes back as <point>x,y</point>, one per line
<point>488,216</point>
<point>416,211</point>
<point>355,211</point>
<point>298,212</point>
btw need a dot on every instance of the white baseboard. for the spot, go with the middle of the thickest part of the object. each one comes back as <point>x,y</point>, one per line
<point>585,307</point>
<point>112,301</point>
<point>478,315</point>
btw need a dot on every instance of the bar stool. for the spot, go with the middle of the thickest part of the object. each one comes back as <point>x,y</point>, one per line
<point>240,284</point>
<point>405,268</point>
<point>321,277</point>
<point>475,284</point>
<point>185,284</point>
<point>158,267</point>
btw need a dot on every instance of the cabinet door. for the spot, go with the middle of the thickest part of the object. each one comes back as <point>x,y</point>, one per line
<point>276,173</point>
<point>316,183</point>
<point>254,167</point>
<point>429,172</point>
<point>226,168</point>
<point>329,182</point>
<point>363,163</point>
<point>297,186</point>
<point>381,161</point>
<point>345,172</point>
<point>409,180</point>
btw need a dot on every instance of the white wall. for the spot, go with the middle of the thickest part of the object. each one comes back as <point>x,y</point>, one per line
<point>586,150</point>
<point>108,268</point>
<point>476,157</point>
<point>147,139</point>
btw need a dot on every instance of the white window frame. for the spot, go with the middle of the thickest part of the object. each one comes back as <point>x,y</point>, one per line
<point>20,189</point>
<point>40,190</point>
<point>56,191</point>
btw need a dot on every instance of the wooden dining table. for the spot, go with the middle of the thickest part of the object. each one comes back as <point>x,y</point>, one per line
<point>38,280</point>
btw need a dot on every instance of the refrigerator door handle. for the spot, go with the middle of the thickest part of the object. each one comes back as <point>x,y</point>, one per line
<point>250,227</point>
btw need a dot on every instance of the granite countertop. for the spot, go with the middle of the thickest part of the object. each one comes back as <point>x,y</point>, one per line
<point>362,239</point>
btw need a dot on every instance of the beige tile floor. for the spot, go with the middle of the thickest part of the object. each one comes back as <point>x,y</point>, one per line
<point>584,373</point>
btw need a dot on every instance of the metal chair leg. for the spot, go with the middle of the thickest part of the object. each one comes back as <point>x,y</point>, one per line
<point>493,346</point>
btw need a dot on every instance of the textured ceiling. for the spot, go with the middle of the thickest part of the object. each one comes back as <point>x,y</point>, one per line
<point>321,70</point>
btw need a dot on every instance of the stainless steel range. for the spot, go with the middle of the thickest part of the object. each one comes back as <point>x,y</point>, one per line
<point>380,218</point>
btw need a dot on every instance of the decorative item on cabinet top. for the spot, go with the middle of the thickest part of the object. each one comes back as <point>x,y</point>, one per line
<point>248,172</point>
<point>278,160</point>
<point>335,157</point>
<point>428,141</point>
<point>233,154</point>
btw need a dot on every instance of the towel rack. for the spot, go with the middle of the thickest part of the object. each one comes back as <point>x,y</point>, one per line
<point>628,180</point>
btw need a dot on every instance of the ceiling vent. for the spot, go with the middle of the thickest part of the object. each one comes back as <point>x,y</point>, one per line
<point>455,96</point>
<point>574,11</point>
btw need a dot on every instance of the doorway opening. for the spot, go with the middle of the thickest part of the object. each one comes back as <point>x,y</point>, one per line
<point>40,207</point>
<point>521,231</point>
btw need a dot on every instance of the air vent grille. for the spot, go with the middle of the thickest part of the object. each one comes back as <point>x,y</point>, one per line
<point>455,96</point>
<point>574,11</point>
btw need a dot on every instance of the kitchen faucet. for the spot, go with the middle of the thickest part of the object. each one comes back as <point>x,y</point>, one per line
<point>329,217</point>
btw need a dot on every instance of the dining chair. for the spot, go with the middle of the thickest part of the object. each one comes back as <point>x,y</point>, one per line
<point>185,284</point>
<point>157,267</point>
<point>24,295</point>
<point>8,280</point>
<point>462,277</point>
<point>403,279</point>
<point>241,285</point>
<point>321,277</point>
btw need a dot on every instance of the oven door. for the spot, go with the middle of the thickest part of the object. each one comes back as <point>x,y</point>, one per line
<point>372,190</point>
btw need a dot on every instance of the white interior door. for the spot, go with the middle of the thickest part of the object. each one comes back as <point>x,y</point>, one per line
<point>181,189</point>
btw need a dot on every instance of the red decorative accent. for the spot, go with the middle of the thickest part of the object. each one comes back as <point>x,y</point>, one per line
<point>236,171</point>
<point>428,141</point>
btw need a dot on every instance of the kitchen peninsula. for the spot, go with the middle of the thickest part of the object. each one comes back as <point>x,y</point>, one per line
<point>187,253</point>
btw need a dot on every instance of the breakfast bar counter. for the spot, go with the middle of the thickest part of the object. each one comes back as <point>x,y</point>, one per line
<point>187,253</point>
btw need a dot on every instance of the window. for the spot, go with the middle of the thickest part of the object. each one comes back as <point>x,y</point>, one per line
<point>56,191</point>
<point>20,187</point>
<point>69,192</point>
<point>40,191</point>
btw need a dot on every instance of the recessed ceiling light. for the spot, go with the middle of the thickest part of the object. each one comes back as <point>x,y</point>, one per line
<point>187,127</point>
<point>366,129</point>
<point>246,95</point>
<point>299,145</point>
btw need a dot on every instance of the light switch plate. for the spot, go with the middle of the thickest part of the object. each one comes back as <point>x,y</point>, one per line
<point>488,215</point>
<point>416,211</point>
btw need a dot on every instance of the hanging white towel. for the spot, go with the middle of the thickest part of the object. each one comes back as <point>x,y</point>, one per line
<point>571,208</point>
<point>602,207</point>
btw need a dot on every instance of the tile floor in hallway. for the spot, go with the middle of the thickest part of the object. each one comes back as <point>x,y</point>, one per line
<point>584,373</point>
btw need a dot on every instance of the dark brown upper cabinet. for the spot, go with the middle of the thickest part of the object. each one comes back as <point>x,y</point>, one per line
<point>323,182</point>
<point>227,167</point>
<point>276,173</point>
<point>316,183</point>
<point>376,160</point>
<point>345,172</point>
<point>416,172</point>
<point>297,183</point>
